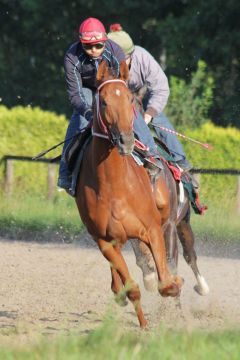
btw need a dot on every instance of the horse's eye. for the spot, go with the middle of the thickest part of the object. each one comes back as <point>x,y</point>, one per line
<point>103,103</point>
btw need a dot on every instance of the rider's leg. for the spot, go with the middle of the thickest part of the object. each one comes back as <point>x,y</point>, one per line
<point>76,124</point>
<point>171,141</point>
<point>143,134</point>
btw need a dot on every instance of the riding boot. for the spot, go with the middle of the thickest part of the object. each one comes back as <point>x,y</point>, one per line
<point>186,168</point>
<point>184,165</point>
<point>195,183</point>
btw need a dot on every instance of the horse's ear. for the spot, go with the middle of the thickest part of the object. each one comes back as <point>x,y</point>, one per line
<point>124,72</point>
<point>102,72</point>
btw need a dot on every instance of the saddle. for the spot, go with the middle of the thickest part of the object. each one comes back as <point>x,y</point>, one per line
<point>74,147</point>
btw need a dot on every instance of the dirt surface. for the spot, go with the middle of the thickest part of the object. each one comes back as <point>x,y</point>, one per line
<point>57,288</point>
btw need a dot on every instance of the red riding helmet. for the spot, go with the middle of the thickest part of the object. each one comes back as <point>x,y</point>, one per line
<point>91,31</point>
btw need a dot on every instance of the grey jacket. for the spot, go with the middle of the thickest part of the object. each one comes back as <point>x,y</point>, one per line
<point>146,71</point>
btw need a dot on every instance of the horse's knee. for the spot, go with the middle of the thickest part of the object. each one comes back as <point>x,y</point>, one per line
<point>133,293</point>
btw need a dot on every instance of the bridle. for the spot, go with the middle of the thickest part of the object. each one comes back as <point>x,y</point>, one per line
<point>105,131</point>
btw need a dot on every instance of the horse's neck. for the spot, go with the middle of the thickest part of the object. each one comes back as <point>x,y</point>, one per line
<point>109,165</point>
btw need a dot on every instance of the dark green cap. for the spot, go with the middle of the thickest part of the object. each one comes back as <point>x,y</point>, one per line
<point>123,40</point>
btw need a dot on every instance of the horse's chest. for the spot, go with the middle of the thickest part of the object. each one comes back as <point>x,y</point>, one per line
<point>106,211</point>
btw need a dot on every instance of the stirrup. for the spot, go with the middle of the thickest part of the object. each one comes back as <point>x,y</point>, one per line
<point>153,166</point>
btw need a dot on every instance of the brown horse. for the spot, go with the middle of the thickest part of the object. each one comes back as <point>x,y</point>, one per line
<point>176,227</point>
<point>114,195</point>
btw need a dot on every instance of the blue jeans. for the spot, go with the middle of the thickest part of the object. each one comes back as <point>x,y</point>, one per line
<point>169,139</point>
<point>143,133</point>
<point>76,124</point>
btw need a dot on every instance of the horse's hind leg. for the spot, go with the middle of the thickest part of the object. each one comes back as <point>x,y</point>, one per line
<point>144,260</point>
<point>171,241</point>
<point>170,237</point>
<point>186,237</point>
<point>118,263</point>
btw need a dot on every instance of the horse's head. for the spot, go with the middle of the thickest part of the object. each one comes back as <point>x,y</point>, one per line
<point>114,108</point>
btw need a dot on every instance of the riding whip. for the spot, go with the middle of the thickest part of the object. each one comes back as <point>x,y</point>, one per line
<point>206,146</point>
<point>41,154</point>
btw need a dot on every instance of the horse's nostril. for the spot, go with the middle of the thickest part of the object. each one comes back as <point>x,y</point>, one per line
<point>122,140</point>
<point>126,138</point>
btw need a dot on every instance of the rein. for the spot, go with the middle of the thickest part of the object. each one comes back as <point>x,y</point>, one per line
<point>106,133</point>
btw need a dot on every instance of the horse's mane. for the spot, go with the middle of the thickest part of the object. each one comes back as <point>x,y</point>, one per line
<point>107,73</point>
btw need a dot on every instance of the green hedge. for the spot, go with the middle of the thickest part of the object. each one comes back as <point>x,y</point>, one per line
<point>191,99</point>
<point>28,131</point>
<point>225,154</point>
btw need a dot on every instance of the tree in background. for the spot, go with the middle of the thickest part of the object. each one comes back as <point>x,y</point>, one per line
<point>207,30</point>
<point>36,33</point>
<point>189,103</point>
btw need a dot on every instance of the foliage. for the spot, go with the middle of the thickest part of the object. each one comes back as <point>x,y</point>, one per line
<point>225,154</point>
<point>31,216</point>
<point>31,69</point>
<point>113,342</point>
<point>189,103</point>
<point>207,30</point>
<point>27,132</point>
<point>40,218</point>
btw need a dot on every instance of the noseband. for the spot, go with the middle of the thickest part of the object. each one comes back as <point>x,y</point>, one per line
<point>105,131</point>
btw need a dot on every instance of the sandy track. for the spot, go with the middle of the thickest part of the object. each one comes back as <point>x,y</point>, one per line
<point>51,288</point>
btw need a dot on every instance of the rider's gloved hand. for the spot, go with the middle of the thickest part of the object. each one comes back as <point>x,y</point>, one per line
<point>88,115</point>
<point>147,118</point>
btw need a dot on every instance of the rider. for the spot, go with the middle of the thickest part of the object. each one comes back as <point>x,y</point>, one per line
<point>144,70</point>
<point>80,63</point>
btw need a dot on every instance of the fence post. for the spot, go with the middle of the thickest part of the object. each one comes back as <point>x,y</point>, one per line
<point>51,180</point>
<point>8,181</point>
<point>238,195</point>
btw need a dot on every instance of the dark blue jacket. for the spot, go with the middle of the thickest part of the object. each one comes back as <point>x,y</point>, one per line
<point>80,71</point>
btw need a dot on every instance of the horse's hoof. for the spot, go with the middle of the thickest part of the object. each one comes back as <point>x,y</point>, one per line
<point>173,289</point>
<point>144,325</point>
<point>202,287</point>
<point>150,282</point>
<point>203,291</point>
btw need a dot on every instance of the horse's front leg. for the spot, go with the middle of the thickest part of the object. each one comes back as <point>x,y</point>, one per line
<point>169,285</point>
<point>131,288</point>
<point>117,288</point>
<point>186,237</point>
